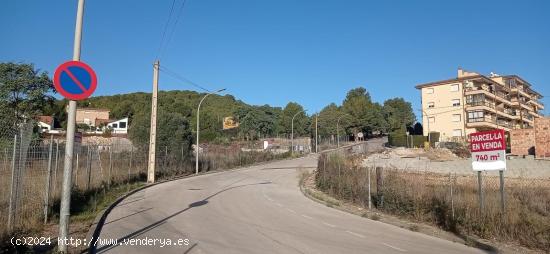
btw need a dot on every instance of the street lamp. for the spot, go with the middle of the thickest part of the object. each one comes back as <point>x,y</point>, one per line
<point>198,129</point>
<point>292,128</point>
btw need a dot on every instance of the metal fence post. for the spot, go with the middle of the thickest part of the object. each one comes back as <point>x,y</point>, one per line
<point>88,167</point>
<point>380,186</point>
<point>130,167</point>
<point>368,177</point>
<point>48,182</point>
<point>502,200</point>
<point>451,193</point>
<point>480,190</point>
<point>76,168</point>
<point>13,192</point>
<point>56,164</point>
<point>110,164</point>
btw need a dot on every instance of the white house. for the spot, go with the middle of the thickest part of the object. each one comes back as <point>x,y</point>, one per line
<point>44,127</point>
<point>119,126</point>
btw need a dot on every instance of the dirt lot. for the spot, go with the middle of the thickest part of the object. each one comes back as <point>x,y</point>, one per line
<point>444,161</point>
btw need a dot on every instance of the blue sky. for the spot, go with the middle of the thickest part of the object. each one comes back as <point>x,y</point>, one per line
<point>273,52</point>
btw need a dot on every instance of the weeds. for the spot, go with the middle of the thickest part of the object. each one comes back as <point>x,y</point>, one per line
<point>425,197</point>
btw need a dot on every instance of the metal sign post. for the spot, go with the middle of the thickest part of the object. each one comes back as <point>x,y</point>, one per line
<point>489,153</point>
<point>75,81</point>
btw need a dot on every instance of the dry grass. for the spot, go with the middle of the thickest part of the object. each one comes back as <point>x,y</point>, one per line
<point>426,197</point>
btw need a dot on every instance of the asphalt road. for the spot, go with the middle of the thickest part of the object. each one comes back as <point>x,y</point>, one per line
<point>254,210</point>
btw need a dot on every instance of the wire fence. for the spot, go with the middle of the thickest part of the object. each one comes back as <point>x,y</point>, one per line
<point>31,172</point>
<point>451,201</point>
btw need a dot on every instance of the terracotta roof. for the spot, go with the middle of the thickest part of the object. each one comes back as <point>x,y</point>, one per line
<point>46,119</point>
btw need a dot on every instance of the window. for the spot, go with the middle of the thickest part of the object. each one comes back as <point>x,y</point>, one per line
<point>431,119</point>
<point>429,90</point>
<point>122,125</point>
<point>431,105</point>
<point>457,117</point>
<point>456,102</point>
<point>115,125</point>
<point>475,116</point>
<point>454,88</point>
<point>457,133</point>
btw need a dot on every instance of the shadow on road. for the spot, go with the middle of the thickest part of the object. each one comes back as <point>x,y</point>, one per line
<point>129,215</point>
<point>162,221</point>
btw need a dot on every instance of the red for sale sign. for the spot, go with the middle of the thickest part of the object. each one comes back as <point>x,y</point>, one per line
<point>488,150</point>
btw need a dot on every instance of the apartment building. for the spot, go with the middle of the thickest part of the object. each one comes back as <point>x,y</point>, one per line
<point>473,102</point>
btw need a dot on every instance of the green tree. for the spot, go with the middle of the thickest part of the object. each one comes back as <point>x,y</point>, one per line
<point>328,117</point>
<point>173,131</point>
<point>366,116</point>
<point>255,122</point>
<point>301,121</point>
<point>24,93</point>
<point>399,114</point>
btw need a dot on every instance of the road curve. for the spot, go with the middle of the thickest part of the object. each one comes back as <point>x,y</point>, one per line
<point>259,209</point>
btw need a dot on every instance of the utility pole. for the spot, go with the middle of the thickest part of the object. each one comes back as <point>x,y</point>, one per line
<point>65,210</point>
<point>153,132</point>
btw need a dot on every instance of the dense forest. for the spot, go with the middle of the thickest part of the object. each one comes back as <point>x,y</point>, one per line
<point>25,92</point>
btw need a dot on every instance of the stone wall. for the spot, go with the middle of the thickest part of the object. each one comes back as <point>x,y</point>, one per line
<point>522,141</point>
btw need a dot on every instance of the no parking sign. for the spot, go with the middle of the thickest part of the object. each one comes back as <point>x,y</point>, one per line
<point>75,80</point>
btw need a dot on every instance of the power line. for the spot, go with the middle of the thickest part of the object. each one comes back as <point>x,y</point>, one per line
<point>182,78</point>
<point>165,28</point>
<point>180,12</point>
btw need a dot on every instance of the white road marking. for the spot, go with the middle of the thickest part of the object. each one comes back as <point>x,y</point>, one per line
<point>307,217</point>
<point>393,247</point>
<point>278,204</point>
<point>330,225</point>
<point>355,234</point>
<point>290,210</point>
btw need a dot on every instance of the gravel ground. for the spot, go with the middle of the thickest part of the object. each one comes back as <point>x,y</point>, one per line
<point>416,160</point>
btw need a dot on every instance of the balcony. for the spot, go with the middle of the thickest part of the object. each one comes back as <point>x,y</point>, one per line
<point>498,95</point>
<point>488,122</point>
<point>484,103</point>
<point>537,103</point>
<point>507,113</point>
<point>506,124</point>
<point>520,91</point>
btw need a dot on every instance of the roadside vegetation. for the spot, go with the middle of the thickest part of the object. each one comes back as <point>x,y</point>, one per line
<point>427,197</point>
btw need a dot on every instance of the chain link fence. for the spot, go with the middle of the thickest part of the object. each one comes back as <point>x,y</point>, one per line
<point>31,172</point>
<point>448,200</point>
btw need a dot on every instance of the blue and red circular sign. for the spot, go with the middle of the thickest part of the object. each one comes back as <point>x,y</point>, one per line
<point>75,80</point>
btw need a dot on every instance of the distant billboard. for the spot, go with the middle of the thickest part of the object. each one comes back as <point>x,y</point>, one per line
<point>229,123</point>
